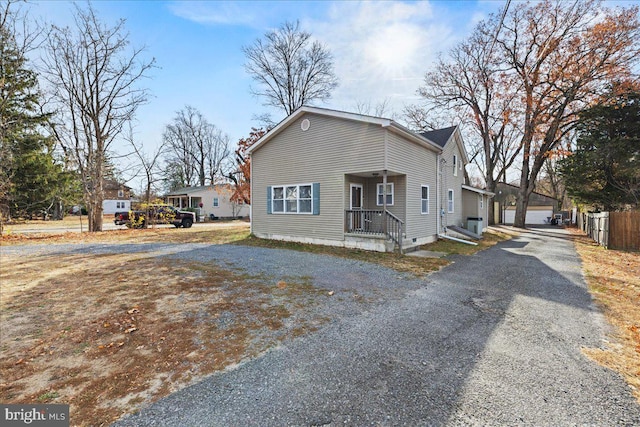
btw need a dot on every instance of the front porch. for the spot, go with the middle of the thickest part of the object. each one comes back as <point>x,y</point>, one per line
<point>186,201</point>
<point>376,209</point>
<point>374,224</point>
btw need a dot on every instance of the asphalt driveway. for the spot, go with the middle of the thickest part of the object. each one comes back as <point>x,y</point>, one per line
<point>493,339</point>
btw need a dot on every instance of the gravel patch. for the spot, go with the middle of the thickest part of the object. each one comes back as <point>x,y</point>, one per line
<point>494,339</point>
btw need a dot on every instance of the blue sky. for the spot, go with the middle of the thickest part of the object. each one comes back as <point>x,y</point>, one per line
<point>381,50</point>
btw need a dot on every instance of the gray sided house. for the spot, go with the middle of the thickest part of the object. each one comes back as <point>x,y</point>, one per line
<point>336,178</point>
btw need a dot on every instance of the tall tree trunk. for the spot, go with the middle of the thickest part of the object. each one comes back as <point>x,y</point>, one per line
<point>491,186</point>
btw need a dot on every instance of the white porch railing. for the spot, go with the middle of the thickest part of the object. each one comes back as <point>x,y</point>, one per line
<point>375,222</point>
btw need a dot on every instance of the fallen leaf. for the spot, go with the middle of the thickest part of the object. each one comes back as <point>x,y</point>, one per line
<point>133,310</point>
<point>131,329</point>
<point>330,293</point>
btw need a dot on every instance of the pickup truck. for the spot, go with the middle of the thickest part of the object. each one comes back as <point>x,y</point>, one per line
<point>158,214</point>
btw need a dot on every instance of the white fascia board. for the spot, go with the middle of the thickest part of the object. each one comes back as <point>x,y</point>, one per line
<point>461,146</point>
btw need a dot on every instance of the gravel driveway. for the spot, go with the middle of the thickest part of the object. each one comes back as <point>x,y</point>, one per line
<point>493,339</point>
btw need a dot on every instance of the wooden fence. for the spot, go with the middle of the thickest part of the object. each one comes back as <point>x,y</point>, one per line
<point>614,230</point>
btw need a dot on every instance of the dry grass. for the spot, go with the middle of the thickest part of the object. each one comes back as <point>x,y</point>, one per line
<point>199,233</point>
<point>490,238</point>
<point>614,281</point>
<point>109,333</point>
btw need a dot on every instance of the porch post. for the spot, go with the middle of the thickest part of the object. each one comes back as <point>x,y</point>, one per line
<point>384,202</point>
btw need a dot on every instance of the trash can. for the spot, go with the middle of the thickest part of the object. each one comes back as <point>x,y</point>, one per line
<point>474,224</point>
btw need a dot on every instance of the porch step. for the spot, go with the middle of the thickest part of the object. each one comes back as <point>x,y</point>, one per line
<point>464,232</point>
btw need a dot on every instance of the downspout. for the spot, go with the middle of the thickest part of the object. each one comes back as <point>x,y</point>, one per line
<point>251,192</point>
<point>384,184</point>
<point>455,239</point>
<point>438,200</point>
<point>384,201</point>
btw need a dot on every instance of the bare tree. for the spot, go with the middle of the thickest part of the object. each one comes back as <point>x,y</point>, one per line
<point>471,86</point>
<point>196,149</point>
<point>381,109</point>
<point>149,166</point>
<point>290,69</point>
<point>562,55</point>
<point>93,78</point>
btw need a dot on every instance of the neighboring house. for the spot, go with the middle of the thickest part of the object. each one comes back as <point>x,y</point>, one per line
<point>344,179</point>
<point>541,208</point>
<point>209,201</point>
<point>117,197</point>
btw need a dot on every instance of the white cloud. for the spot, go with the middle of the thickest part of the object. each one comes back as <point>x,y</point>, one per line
<point>222,12</point>
<point>381,49</point>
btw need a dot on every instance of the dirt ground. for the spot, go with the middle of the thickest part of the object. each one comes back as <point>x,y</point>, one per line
<point>108,333</point>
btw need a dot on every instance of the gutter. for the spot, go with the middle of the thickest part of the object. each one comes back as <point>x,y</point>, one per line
<point>455,239</point>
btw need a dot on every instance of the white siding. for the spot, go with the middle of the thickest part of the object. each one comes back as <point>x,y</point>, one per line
<point>225,208</point>
<point>111,206</point>
<point>535,215</point>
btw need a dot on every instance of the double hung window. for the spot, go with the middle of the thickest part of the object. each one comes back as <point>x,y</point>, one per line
<point>292,199</point>
<point>425,199</point>
<point>381,193</point>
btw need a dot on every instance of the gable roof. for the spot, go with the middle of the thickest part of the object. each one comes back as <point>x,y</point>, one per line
<point>112,184</point>
<point>440,136</point>
<point>380,121</point>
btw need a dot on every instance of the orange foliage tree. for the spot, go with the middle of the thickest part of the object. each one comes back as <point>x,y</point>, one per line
<point>562,56</point>
<point>241,176</point>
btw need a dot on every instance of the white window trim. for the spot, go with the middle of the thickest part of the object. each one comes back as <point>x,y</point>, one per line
<point>427,199</point>
<point>120,193</point>
<point>451,201</point>
<point>455,165</point>
<point>284,199</point>
<point>392,194</point>
<point>216,202</point>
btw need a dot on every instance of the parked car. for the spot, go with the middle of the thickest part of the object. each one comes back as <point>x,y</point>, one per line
<point>158,214</point>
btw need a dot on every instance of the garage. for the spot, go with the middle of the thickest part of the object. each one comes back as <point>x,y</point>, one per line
<point>535,215</point>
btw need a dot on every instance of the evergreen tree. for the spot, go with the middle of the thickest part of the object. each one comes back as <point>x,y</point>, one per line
<point>31,178</point>
<point>604,170</point>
